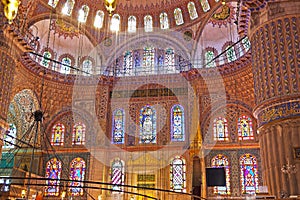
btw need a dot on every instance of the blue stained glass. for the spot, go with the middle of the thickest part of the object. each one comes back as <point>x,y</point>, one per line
<point>45,60</point>
<point>170,60</point>
<point>231,56</point>
<point>10,137</point>
<point>127,63</point>
<point>245,131</point>
<point>177,123</point>
<point>77,173</point>
<point>118,129</point>
<point>249,174</point>
<point>147,125</point>
<point>209,59</point>
<point>53,172</point>
<point>78,136</point>
<point>65,66</point>
<point>148,60</point>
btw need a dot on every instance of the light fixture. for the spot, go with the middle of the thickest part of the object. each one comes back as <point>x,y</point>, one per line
<point>110,6</point>
<point>23,193</point>
<point>11,9</point>
<point>63,194</point>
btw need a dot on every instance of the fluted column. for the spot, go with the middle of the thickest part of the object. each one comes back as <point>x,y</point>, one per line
<point>274,35</point>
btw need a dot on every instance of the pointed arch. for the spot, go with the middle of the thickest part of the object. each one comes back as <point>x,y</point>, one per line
<point>117,174</point>
<point>115,23</point>
<point>78,134</point>
<point>222,161</point>
<point>57,136</point>
<point>99,18</point>
<point>118,126</point>
<point>66,63</point>
<point>68,7</point>
<point>164,21</point>
<point>148,23</point>
<point>53,3</point>
<point>178,174</point>
<point>131,24</point>
<point>177,123</point>
<point>147,125</point>
<point>83,13</point>
<point>245,130</point>
<point>205,5</point>
<point>220,129</point>
<point>53,173</point>
<point>249,174</point>
<point>192,10</point>
<point>178,16</point>
<point>77,173</point>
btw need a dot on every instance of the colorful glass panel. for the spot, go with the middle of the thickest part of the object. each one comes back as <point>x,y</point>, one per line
<point>65,65</point>
<point>177,123</point>
<point>148,23</point>
<point>83,13</point>
<point>58,132</point>
<point>118,128</point>
<point>115,23</point>
<point>147,125</point>
<point>230,53</point>
<point>192,10</point>
<point>220,129</point>
<point>222,161</point>
<point>178,16</point>
<point>78,135</point>
<point>87,66</point>
<point>148,60</point>
<point>209,59</point>
<point>10,137</point>
<point>53,173</point>
<point>131,24</point>
<point>68,7</point>
<point>127,63</point>
<point>98,23</point>
<point>170,60</point>
<point>77,173</point>
<point>117,174</point>
<point>205,5</point>
<point>164,21</point>
<point>246,43</point>
<point>45,60</point>
<point>178,174</point>
<point>249,174</point>
<point>53,3</point>
<point>245,131</point>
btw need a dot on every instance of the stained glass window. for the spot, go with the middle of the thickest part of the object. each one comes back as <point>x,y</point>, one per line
<point>83,13</point>
<point>118,129</point>
<point>53,3</point>
<point>127,63</point>
<point>98,23</point>
<point>148,59</point>
<point>249,174</point>
<point>148,23</point>
<point>68,7</point>
<point>230,53</point>
<point>170,60</point>
<point>205,5</point>
<point>209,59</point>
<point>53,172</point>
<point>246,43</point>
<point>245,128</point>
<point>45,60</point>
<point>177,123</point>
<point>164,21</point>
<point>220,129</point>
<point>222,161</point>
<point>65,65</point>
<point>115,23</point>
<point>192,10</point>
<point>58,132</point>
<point>77,173</point>
<point>131,24</point>
<point>117,174</point>
<point>87,66</point>
<point>178,174</point>
<point>78,135</point>
<point>147,125</point>
<point>10,137</point>
<point>178,16</point>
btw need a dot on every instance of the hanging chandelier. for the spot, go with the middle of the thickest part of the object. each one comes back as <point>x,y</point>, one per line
<point>110,6</point>
<point>11,9</point>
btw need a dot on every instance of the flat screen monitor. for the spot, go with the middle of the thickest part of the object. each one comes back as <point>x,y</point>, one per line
<point>215,177</point>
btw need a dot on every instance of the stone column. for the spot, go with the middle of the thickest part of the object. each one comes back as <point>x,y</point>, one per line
<point>274,36</point>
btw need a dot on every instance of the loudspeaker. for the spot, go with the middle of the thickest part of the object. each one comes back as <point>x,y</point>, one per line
<point>215,176</point>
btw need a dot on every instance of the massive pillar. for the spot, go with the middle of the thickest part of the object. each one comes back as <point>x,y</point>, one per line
<point>274,33</point>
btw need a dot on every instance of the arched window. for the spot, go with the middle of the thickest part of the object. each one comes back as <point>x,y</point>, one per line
<point>192,10</point>
<point>10,137</point>
<point>127,63</point>
<point>78,135</point>
<point>68,7</point>
<point>117,174</point>
<point>230,53</point>
<point>178,174</point>
<point>222,161</point>
<point>131,24</point>
<point>178,16</point>
<point>46,59</point>
<point>245,128</point>
<point>209,59</point>
<point>205,5</point>
<point>220,129</point>
<point>246,43</point>
<point>58,132</point>
<point>170,60</point>
<point>249,174</point>
<point>87,66</point>
<point>77,173</point>
<point>53,3</point>
<point>147,125</point>
<point>164,21</point>
<point>66,63</point>
<point>83,13</point>
<point>115,23</point>
<point>148,60</point>
<point>98,23</point>
<point>118,128</point>
<point>177,123</point>
<point>148,23</point>
<point>53,172</point>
